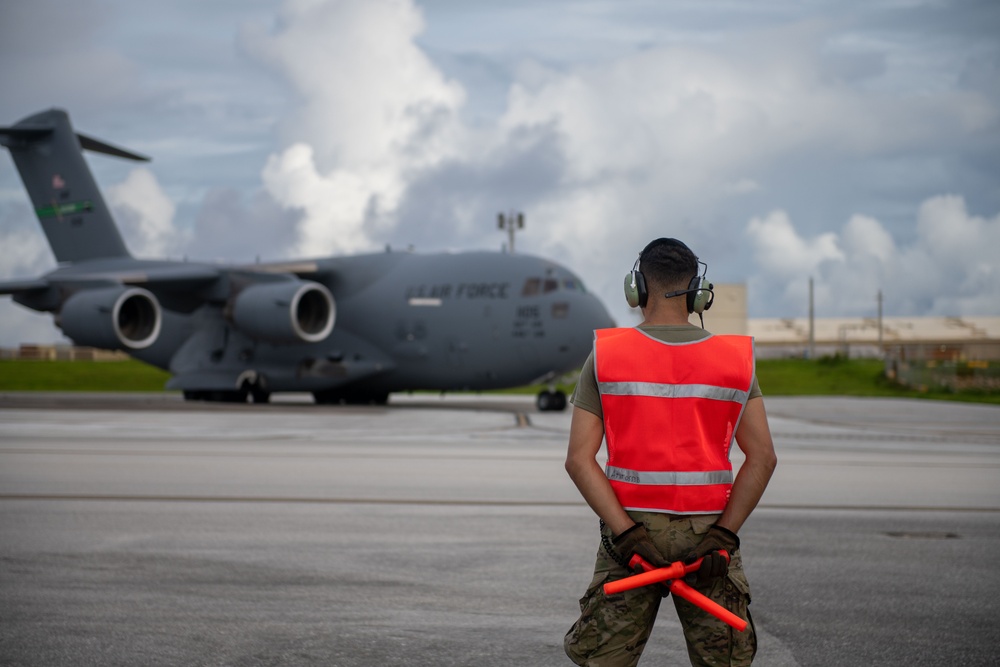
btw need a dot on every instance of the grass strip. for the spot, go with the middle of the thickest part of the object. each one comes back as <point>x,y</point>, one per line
<point>828,376</point>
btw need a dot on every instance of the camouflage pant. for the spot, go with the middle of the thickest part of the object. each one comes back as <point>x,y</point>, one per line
<point>613,629</point>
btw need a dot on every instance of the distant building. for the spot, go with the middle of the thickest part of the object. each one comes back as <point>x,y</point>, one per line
<point>923,352</point>
<point>728,314</point>
<point>951,353</point>
<point>62,353</point>
<point>966,337</point>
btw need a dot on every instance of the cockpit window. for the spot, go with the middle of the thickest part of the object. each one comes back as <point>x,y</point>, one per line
<point>536,286</point>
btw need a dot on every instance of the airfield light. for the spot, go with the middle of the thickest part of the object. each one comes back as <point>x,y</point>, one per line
<point>510,221</point>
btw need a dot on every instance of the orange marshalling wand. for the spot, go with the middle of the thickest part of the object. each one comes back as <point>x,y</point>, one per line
<point>671,577</point>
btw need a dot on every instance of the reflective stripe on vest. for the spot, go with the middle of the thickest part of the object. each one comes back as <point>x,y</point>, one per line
<point>672,391</point>
<point>670,417</point>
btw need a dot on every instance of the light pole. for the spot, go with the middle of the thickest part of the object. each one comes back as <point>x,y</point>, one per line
<point>881,350</point>
<point>509,222</point>
<point>812,323</point>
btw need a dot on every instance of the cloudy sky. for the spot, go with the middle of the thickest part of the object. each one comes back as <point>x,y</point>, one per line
<point>857,142</point>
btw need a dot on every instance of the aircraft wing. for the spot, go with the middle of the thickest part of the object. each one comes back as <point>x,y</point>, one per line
<point>176,283</point>
<point>50,291</point>
<point>299,268</point>
<point>172,277</point>
<point>169,276</point>
<point>19,286</point>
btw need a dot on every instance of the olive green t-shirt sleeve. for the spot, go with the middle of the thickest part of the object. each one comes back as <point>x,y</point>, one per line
<point>586,395</point>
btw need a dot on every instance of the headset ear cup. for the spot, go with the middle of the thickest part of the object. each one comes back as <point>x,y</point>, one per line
<point>702,299</point>
<point>635,289</point>
<point>631,289</point>
<point>640,287</point>
<point>692,295</point>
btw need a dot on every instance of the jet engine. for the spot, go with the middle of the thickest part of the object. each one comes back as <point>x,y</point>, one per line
<point>285,312</point>
<point>112,318</point>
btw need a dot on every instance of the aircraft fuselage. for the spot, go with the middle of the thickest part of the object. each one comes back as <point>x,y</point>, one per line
<point>404,321</point>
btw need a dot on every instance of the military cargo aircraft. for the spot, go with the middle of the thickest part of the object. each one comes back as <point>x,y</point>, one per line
<point>347,329</point>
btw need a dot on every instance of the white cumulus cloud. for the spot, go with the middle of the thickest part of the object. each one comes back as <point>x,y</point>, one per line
<point>145,215</point>
<point>951,268</point>
<point>26,255</point>
<point>781,251</point>
<point>28,252</point>
<point>779,146</point>
<point>373,109</point>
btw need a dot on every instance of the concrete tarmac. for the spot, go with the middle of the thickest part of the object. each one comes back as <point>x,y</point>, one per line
<point>139,529</point>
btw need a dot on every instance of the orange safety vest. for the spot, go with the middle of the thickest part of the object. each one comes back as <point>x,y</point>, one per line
<point>671,411</point>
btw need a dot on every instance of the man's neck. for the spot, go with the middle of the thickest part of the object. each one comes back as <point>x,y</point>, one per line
<point>665,314</point>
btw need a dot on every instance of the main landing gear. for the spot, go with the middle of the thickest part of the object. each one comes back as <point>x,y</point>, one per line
<point>551,401</point>
<point>252,386</point>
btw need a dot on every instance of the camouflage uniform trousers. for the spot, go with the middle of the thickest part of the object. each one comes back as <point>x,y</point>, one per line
<point>613,629</point>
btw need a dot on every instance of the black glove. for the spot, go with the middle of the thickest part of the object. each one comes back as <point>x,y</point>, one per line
<point>636,540</point>
<point>715,565</point>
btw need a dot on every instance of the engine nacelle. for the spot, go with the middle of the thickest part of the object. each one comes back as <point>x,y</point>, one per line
<point>112,318</point>
<point>285,312</point>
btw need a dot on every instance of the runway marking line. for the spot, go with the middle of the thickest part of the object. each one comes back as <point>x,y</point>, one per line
<point>446,502</point>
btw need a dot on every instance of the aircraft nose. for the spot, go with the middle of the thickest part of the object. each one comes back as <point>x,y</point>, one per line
<point>597,314</point>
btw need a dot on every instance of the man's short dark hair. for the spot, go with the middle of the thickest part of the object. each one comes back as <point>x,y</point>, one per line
<point>668,264</point>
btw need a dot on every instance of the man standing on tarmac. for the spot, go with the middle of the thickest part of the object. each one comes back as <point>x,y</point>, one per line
<point>669,398</point>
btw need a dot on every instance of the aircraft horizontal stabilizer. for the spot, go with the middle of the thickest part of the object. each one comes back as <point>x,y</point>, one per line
<point>98,146</point>
<point>10,136</point>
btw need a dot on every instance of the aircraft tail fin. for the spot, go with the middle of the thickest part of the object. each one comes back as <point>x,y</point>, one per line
<point>49,157</point>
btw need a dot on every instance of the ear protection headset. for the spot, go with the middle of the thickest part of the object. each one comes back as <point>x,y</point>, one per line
<point>700,294</point>
<point>635,286</point>
<point>699,291</point>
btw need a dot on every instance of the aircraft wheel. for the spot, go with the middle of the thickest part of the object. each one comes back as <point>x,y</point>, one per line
<point>333,397</point>
<point>239,396</point>
<point>543,401</point>
<point>379,398</point>
<point>256,389</point>
<point>551,401</point>
<point>367,398</point>
<point>327,397</point>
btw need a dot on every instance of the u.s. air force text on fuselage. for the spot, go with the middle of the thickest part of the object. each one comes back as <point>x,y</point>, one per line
<point>458,291</point>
